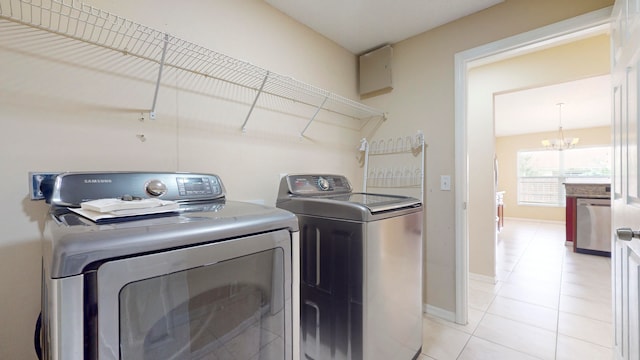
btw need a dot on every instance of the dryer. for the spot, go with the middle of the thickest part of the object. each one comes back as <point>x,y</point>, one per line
<point>210,279</point>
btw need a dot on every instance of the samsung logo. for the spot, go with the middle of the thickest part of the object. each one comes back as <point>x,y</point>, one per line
<point>97,181</point>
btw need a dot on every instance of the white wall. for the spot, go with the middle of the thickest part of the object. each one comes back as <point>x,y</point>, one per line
<point>68,106</point>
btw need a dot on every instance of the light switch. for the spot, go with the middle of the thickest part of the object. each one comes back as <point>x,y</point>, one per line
<point>445,182</point>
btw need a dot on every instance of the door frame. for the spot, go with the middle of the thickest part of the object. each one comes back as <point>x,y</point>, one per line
<point>499,50</point>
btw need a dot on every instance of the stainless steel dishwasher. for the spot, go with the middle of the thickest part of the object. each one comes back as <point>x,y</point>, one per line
<point>593,228</point>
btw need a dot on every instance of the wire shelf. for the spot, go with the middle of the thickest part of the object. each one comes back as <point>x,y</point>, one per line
<point>390,173</point>
<point>86,23</point>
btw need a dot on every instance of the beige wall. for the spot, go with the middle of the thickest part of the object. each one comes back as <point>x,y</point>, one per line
<point>576,60</point>
<point>423,98</point>
<point>507,148</point>
<point>68,106</point>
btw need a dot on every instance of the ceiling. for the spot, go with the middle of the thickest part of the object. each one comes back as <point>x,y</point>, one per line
<point>587,103</point>
<point>363,25</point>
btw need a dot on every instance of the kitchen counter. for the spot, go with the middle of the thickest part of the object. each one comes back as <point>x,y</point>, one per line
<point>588,190</point>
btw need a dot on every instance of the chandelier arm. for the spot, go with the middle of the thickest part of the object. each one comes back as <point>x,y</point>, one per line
<point>561,142</point>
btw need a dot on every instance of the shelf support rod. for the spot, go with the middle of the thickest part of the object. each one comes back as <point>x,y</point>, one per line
<point>264,81</point>
<point>152,113</point>
<point>314,115</point>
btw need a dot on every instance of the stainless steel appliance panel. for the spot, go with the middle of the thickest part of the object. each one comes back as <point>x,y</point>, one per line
<point>361,288</point>
<point>63,320</point>
<point>115,277</point>
<point>393,291</point>
<point>593,228</point>
<point>331,288</point>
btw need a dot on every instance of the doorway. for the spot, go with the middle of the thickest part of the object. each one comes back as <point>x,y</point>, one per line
<point>499,50</point>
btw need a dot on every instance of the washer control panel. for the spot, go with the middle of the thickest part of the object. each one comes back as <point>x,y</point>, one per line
<point>311,184</point>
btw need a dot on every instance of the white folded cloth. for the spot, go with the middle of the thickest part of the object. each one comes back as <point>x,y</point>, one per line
<point>118,205</point>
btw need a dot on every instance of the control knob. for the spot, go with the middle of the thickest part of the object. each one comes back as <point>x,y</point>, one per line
<point>323,184</point>
<point>156,188</point>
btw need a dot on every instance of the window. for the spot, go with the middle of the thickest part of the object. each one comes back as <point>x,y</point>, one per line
<point>541,173</point>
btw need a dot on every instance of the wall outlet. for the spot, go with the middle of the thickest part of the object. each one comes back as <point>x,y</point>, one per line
<point>445,182</point>
<point>35,179</point>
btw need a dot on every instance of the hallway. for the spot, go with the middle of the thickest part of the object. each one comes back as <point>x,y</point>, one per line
<point>548,303</point>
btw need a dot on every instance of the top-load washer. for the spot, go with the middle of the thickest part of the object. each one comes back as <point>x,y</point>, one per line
<point>361,269</point>
<point>209,279</point>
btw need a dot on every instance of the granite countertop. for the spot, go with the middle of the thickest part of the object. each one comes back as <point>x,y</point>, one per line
<point>590,190</point>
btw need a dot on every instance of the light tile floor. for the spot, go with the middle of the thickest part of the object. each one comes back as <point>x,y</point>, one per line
<point>548,303</point>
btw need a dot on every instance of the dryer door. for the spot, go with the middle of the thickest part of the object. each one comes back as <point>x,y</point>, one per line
<point>229,299</point>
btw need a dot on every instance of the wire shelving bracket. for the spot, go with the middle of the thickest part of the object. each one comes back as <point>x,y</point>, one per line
<point>79,21</point>
<point>152,113</point>
<point>313,117</point>
<point>255,100</point>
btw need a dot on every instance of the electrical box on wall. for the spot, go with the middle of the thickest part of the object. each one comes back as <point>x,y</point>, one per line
<point>375,71</point>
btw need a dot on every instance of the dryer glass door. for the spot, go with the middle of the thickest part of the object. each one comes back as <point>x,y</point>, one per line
<point>223,300</point>
<point>220,311</point>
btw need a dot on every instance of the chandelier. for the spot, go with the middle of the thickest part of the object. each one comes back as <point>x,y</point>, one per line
<point>560,143</point>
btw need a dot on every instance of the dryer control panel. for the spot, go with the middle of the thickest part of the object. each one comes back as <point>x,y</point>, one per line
<point>317,184</point>
<point>71,189</point>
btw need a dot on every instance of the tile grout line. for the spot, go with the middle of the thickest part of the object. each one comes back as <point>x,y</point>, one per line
<point>484,313</point>
<point>494,295</point>
<point>524,252</point>
<point>563,263</point>
<point>564,256</point>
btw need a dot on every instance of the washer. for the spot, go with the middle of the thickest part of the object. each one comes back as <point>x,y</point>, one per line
<point>361,269</point>
<point>212,279</point>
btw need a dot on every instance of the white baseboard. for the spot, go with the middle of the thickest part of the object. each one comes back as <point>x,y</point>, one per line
<point>438,312</point>
<point>483,278</point>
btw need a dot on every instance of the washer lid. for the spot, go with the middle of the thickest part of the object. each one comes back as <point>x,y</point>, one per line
<point>354,206</point>
<point>376,202</point>
<point>331,196</point>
